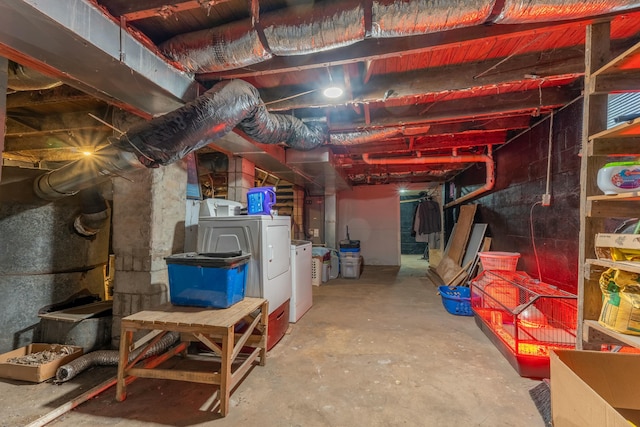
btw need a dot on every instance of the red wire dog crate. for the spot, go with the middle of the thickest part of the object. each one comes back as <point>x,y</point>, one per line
<point>524,318</point>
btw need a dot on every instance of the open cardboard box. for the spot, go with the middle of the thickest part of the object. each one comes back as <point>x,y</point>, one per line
<point>592,388</point>
<point>35,373</point>
<point>605,243</point>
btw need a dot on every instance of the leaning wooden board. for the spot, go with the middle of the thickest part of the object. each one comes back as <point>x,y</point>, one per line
<point>460,236</point>
<point>449,267</point>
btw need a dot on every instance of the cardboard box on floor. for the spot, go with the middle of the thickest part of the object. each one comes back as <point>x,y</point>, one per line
<point>592,388</point>
<point>35,373</point>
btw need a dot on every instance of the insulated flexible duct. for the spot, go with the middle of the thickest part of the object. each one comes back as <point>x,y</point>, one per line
<point>214,114</point>
<point>326,26</point>
<point>364,137</point>
<point>170,137</point>
<point>304,29</point>
<point>393,18</point>
<point>311,29</point>
<point>528,11</point>
<point>110,358</point>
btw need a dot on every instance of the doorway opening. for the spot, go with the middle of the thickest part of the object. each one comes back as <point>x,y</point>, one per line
<point>421,225</point>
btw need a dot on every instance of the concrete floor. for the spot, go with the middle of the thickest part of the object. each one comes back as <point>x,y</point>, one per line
<point>377,351</point>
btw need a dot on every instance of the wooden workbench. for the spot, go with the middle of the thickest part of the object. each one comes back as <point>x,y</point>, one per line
<point>215,328</point>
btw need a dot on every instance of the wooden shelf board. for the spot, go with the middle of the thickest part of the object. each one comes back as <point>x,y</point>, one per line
<point>623,130</point>
<point>631,266</point>
<point>616,337</point>
<point>614,197</point>
<point>627,60</point>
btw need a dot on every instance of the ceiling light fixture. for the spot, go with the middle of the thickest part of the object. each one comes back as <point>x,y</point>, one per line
<point>333,90</point>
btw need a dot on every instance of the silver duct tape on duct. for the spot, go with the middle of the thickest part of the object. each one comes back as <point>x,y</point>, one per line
<point>232,103</point>
<point>528,11</point>
<point>309,29</point>
<point>401,18</point>
<point>230,46</point>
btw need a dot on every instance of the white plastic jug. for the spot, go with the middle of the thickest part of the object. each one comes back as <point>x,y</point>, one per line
<point>619,177</point>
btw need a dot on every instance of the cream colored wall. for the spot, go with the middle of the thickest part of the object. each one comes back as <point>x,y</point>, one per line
<point>372,214</point>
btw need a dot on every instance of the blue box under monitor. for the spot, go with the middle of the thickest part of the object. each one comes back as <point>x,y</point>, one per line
<point>207,280</point>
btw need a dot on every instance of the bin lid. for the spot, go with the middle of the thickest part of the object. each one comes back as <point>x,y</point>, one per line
<point>350,244</point>
<point>225,259</point>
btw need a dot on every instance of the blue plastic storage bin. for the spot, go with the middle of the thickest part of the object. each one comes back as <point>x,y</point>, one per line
<point>207,280</point>
<point>456,300</point>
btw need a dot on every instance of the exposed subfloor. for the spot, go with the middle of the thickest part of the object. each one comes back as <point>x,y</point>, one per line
<point>377,351</point>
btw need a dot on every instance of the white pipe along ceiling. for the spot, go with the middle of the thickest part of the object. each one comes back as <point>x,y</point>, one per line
<point>233,70</point>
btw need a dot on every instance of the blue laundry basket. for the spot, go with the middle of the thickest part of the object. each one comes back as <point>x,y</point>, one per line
<point>456,300</point>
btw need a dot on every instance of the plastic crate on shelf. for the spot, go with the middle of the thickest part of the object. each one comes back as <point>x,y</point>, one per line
<point>524,318</point>
<point>456,300</point>
<point>506,261</point>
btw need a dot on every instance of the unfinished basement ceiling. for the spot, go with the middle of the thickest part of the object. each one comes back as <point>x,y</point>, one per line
<point>422,78</point>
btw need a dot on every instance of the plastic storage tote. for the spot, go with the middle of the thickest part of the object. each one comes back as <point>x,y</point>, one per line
<point>350,267</point>
<point>207,280</point>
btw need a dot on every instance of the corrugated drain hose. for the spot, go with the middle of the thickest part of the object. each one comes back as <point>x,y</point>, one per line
<point>110,358</point>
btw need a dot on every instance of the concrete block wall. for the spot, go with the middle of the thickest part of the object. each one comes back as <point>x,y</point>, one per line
<point>42,260</point>
<point>148,225</point>
<point>513,206</point>
<point>241,178</point>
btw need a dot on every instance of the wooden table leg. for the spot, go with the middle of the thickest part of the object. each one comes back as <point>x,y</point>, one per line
<point>225,370</point>
<point>126,338</point>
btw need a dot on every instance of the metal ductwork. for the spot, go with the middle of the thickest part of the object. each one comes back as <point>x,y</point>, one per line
<point>84,173</point>
<point>366,136</point>
<point>363,137</point>
<point>20,78</point>
<point>94,215</point>
<point>311,29</point>
<point>228,104</point>
<point>170,137</point>
<point>487,159</point>
<point>526,11</point>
